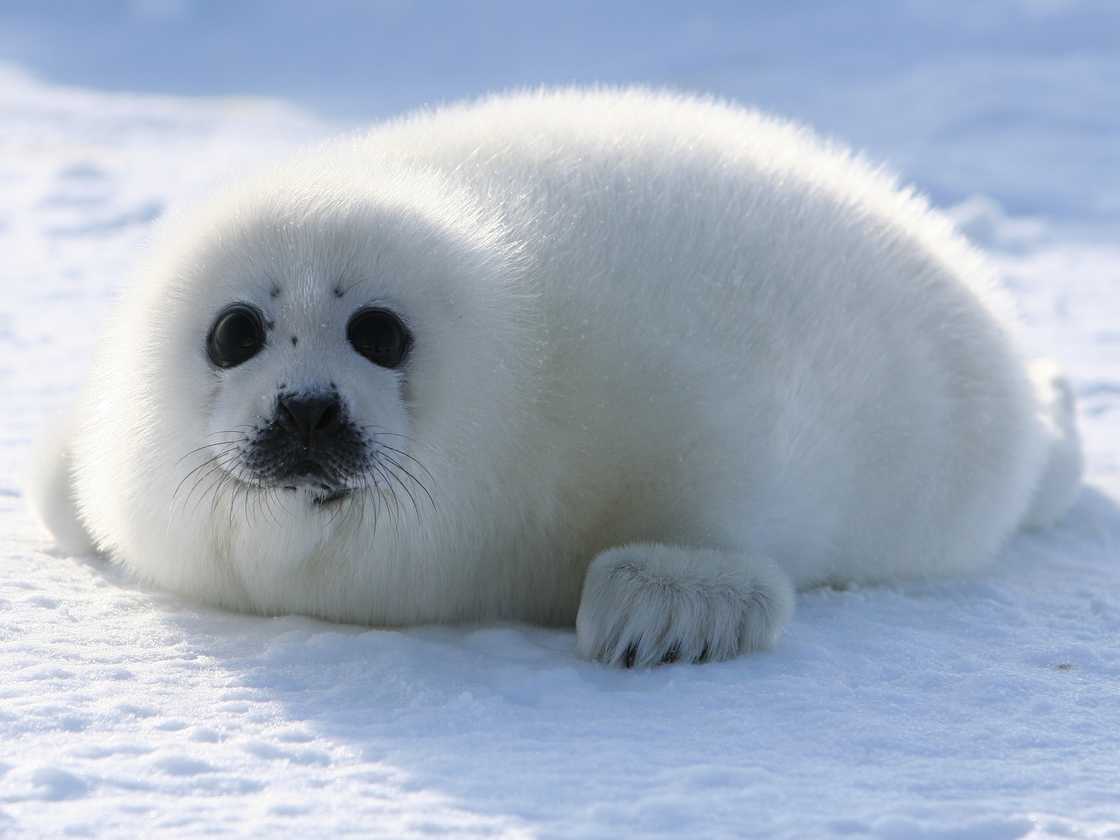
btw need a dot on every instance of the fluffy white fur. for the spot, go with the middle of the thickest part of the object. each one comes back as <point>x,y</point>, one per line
<point>673,359</point>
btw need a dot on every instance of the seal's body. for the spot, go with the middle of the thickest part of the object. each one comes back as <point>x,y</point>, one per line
<point>652,359</point>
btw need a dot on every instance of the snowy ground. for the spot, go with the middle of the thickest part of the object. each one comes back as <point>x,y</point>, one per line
<point>987,708</point>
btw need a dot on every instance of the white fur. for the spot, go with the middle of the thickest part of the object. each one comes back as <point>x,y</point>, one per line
<point>692,341</point>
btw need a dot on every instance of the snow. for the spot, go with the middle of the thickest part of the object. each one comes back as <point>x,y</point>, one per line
<point>981,708</point>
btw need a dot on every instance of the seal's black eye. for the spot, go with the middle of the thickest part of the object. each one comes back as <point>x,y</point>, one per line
<point>380,336</point>
<point>237,336</point>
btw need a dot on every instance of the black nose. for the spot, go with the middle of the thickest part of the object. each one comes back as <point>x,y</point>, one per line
<point>310,418</point>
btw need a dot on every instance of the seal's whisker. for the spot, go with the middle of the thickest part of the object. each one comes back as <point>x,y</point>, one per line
<point>258,504</point>
<point>232,431</point>
<point>381,431</point>
<point>417,481</point>
<point>337,508</point>
<point>360,504</point>
<point>414,460</point>
<point>279,496</point>
<point>370,490</point>
<point>240,439</point>
<point>387,486</point>
<point>179,486</point>
<point>391,472</point>
<point>245,496</point>
<point>232,503</point>
<point>376,506</point>
<point>224,477</point>
<point>270,496</point>
<point>216,464</point>
<point>219,467</point>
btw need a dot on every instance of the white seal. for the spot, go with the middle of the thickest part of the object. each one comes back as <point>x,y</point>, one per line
<point>633,361</point>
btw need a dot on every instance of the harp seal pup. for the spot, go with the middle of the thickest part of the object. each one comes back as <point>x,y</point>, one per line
<point>640,362</point>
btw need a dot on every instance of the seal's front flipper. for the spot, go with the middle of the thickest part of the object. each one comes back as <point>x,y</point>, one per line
<point>647,604</point>
<point>51,489</point>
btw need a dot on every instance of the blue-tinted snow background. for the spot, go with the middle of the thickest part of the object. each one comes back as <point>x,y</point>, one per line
<point>987,708</point>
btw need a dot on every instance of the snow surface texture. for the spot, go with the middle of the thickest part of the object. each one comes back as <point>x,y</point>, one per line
<point>983,708</point>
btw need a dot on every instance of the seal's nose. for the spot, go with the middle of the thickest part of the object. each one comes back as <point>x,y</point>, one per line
<point>311,418</point>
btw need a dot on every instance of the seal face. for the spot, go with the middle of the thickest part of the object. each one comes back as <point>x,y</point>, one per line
<point>310,440</point>
<point>636,362</point>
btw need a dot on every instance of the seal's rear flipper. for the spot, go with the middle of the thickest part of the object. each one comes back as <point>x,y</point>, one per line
<point>1061,476</point>
<point>51,490</point>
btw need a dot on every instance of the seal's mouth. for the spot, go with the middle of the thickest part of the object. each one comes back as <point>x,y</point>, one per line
<point>322,495</point>
<point>316,483</point>
<point>336,495</point>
